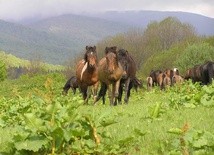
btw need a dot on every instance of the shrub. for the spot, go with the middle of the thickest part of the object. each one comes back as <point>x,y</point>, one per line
<point>195,54</point>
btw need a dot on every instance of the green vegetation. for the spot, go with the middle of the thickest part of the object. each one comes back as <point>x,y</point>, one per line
<point>195,54</point>
<point>12,61</point>
<point>3,72</point>
<point>37,119</point>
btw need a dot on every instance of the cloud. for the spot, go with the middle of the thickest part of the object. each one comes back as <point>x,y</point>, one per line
<point>20,9</point>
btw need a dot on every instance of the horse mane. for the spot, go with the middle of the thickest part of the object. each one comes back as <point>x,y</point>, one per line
<point>112,49</point>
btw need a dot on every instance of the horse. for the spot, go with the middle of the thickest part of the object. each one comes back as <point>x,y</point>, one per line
<point>110,72</point>
<point>127,80</point>
<point>71,83</point>
<point>207,72</point>
<point>194,73</point>
<point>154,75</point>
<point>177,79</point>
<point>136,83</point>
<point>149,83</point>
<point>86,71</point>
<point>163,80</point>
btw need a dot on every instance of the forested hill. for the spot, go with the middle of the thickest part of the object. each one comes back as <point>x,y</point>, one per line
<point>55,39</point>
<point>203,25</point>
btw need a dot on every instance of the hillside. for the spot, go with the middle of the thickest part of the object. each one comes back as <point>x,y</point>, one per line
<point>55,39</point>
<point>28,43</point>
<point>204,25</point>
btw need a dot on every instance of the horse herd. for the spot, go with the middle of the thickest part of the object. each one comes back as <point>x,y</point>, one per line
<point>203,74</point>
<point>116,72</point>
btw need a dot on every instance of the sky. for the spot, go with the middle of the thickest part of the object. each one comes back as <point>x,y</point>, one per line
<point>16,10</point>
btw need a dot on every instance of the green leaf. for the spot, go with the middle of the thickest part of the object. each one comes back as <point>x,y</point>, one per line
<point>200,143</point>
<point>33,123</point>
<point>176,131</point>
<point>31,144</point>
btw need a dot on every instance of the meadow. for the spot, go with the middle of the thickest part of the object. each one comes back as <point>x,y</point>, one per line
<point>36,118</point>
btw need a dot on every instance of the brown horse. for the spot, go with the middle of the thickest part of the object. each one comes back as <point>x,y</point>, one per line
<point>110,72</point>
<point>154,75</point>
<point>163,80</point>
<point>177,79</point>
<point>86,71</point>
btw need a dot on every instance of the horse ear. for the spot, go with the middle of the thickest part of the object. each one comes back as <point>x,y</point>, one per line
<point>94,47</point>
<point>127,52</point>
<point>86,47</point>
<point>114,48</point>
<point>106,50</point>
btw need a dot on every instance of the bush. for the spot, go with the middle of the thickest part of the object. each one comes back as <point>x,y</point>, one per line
<point>195,54</point>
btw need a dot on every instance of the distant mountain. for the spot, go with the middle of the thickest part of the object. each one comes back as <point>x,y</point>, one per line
<point>55,39</point>
<point>204,25</point>
<point>58,38</point>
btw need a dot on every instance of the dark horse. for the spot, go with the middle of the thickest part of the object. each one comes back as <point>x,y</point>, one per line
<point>127,80</point>
<point>86,71</point>
<point>207,72</point>
<point>201,73</point>
<point>71,83</point>
<point>110,72</point>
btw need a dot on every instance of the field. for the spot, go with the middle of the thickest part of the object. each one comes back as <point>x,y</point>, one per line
<point>36,118</point>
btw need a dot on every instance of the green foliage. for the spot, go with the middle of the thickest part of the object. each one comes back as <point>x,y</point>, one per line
<point>192,141</point>
<point>3,72</point>
<point>36,119</point>
<point>195,54</point>
<point>160,36</point>
<point>164,60</point>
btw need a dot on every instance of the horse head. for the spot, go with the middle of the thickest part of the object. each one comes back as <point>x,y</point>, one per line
<point>111,58</point>
<point>123,58</point>
<point>90,56</point>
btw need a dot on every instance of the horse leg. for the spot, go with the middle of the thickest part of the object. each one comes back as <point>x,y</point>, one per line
<point>127,90</point>
<point>94,90</point>
<point>115,93</point>
<point>102,93</point>
<point>74,90</point>
<point>120,93</point>
<point>84,93</point>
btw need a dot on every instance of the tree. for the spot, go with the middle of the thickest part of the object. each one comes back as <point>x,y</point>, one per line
<point>160,36</point>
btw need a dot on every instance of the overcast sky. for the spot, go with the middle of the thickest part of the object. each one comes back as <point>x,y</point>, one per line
<point>21,9</point>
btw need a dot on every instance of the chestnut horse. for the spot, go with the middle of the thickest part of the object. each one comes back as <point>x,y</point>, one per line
<point>86,71</point>
<point>129,66</point>
<point>110,72</point>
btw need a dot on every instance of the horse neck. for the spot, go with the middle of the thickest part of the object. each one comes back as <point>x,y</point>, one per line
<point>91,69</point>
